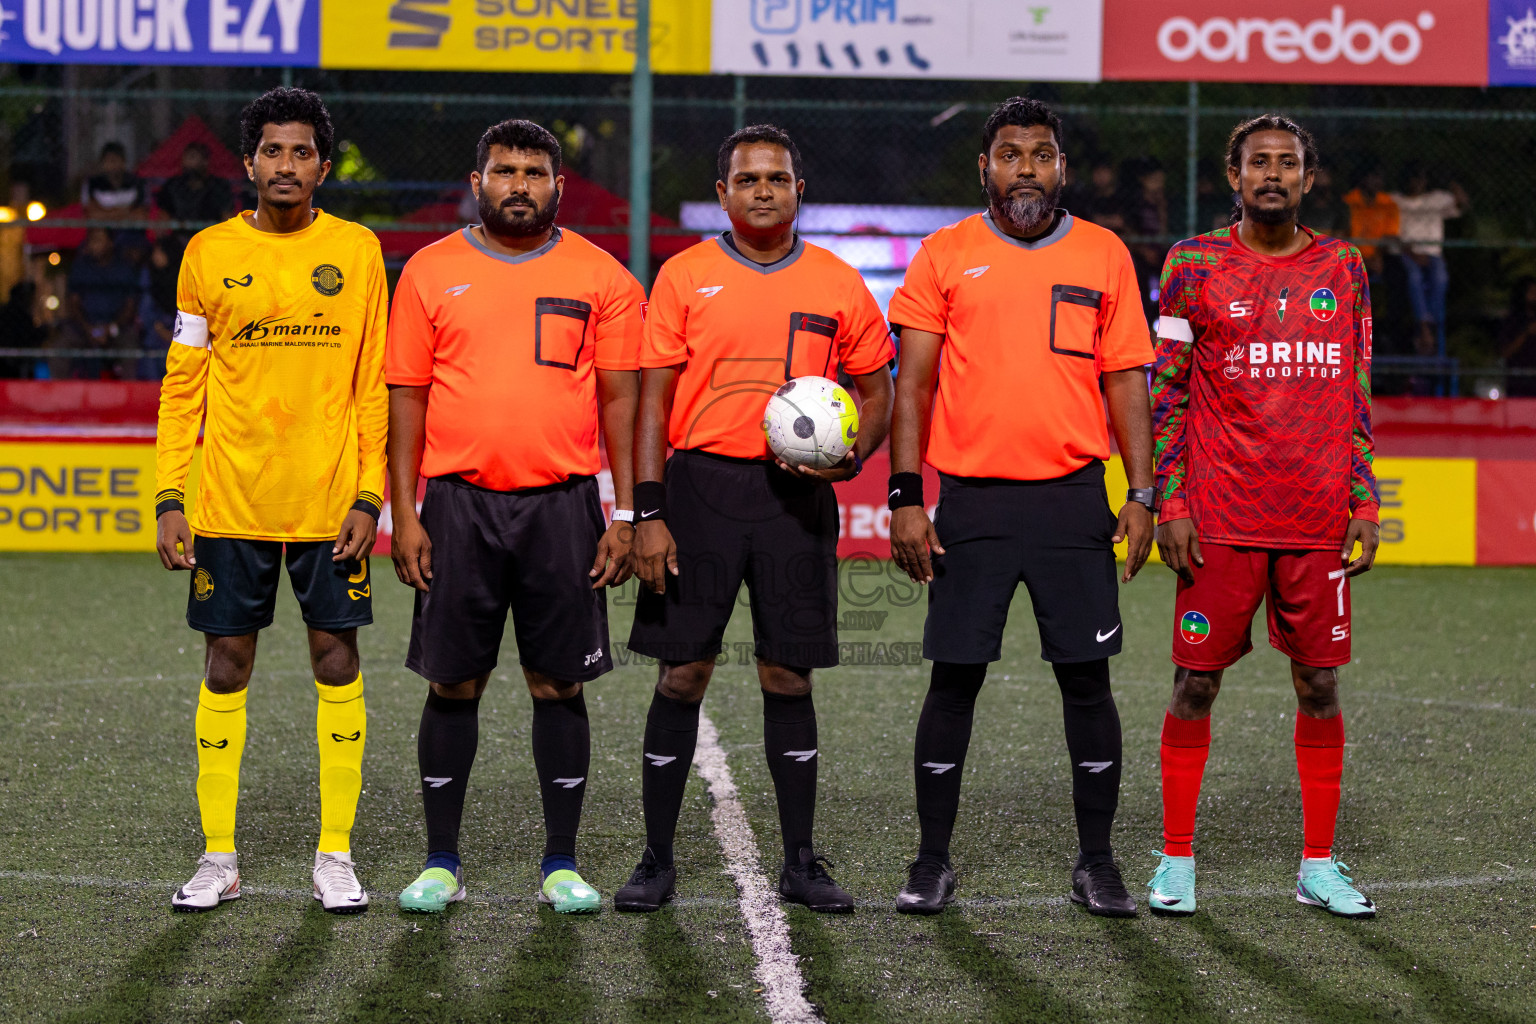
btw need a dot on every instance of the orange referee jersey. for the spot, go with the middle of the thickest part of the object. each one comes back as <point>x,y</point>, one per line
<point>740,329</point>
<point>1028,328</point>
<point>510,346</point>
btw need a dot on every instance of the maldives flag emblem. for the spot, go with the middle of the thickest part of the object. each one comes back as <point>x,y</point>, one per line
<point>1324,305</point>
<point>1194,628</point>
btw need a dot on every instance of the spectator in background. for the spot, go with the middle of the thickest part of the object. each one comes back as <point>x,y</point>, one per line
<point>1325,212</point>
<point>115,193</point>
<point>1214,199</point>
<point>195,194</point>
<point>1146,213</point>
<point>1100,201</point>
<point>103,307</point>
<point>1423,212</point>
<point>1517,339</point>
<point>157,304</point>
<point>1373,216</point>
<point>19,329</point>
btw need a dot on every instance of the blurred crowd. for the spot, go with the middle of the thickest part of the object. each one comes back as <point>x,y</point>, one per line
<point>119,284</point>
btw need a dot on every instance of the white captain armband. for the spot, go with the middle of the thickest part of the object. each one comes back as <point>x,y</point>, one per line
<point>1175,329</point>
<point>191,330</point>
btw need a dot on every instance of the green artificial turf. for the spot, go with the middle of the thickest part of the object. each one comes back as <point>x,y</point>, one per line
<point>98,825</point>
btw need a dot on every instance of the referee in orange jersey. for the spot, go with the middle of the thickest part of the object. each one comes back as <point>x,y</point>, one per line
<point>1037,320</point>
<point>509,342</point>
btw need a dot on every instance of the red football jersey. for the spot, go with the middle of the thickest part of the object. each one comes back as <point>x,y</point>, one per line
<point>1262,399</point>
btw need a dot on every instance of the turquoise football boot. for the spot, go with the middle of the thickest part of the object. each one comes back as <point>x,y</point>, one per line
<point>1323,883</point>
<point>1173,887</point>
<point>433,890</point>
<point>568,893</point>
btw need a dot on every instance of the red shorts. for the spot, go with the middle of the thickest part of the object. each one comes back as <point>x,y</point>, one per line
<point>1305,593</point>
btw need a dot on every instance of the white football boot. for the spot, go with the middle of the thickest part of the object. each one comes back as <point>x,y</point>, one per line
<point>217,879</point>
<point>336,884</point>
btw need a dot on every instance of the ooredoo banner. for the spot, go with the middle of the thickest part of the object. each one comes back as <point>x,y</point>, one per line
<point>909,38</point>
<point>1389,42</point>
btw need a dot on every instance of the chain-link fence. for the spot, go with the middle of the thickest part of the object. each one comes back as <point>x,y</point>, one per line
<point>1146,159</point>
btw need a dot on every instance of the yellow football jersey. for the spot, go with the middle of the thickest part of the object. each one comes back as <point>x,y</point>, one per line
<point>280,344</point>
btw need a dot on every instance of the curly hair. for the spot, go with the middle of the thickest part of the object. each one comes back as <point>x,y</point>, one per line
<point>1271,123</point>
<point>1020,112</point>
<point>285,105</point>
<point>516,133</point>
<point>771,134</point>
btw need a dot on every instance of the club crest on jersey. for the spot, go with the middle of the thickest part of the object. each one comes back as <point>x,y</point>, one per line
<point>1194,628</point>
<point>1324,304</point>
<point>1233,371</point>
<point>327,279</point>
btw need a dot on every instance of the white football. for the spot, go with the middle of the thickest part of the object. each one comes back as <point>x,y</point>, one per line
<point>811,421</point>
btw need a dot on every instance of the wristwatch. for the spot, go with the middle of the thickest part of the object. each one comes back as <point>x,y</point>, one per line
<point>1143,496</point>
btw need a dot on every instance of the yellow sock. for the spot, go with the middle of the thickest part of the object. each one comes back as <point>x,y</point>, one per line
<point>220,743</point>
<point>341,727</point>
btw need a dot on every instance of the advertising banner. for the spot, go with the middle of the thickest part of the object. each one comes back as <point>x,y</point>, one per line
<point>910,38</point>
<point>1511,42</point>
<point>1431,42</point>
<point>201,32</point>
<point>512,35</point>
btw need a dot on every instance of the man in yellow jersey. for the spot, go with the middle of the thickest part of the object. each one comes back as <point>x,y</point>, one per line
<point>279,343</point>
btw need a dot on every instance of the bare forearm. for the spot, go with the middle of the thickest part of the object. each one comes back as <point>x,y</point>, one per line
<point>656,389</point>
<point>1130,414</point>
<point>619,393</point>
<point>407,436</point>
<point>876,396</point>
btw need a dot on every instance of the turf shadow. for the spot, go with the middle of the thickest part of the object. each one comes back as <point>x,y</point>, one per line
<point>1443,995</point>
<point>415,981</point>
<point>1014,997</point>
<point>297,960</point>
<point>541,986</point>
<point>682,978</point>
<point>1164,984</point>
<point>839,993</point>
<point>144,986</point>
<point>1302,995</point>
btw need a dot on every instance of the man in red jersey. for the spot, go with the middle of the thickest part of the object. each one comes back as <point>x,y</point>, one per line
<point>1263,448</point>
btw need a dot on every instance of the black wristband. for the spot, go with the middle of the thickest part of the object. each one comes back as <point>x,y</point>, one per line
<point>650,501</point>
<point>906,489</point>
<point>169,500</point>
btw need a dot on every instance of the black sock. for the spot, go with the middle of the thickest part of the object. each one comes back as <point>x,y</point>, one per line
<point>1093,741</point>
<point>671,732</point>
<point>938,760</point>
<point>789,740</point>
<point>445,750</point>
<point>562,753</point>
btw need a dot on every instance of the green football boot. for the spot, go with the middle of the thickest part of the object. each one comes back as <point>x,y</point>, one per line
<point>433,890</point>
<point>1173,887</point>
<point>568,893</point>
<point>1323,883</point>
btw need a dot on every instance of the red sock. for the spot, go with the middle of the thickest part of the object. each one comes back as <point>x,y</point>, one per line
<point>1320,763</point>
<point>1185,747</point>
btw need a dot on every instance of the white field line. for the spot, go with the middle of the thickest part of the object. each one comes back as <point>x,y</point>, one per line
<point>778,969</point>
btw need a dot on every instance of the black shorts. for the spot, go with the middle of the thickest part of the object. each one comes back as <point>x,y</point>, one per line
<point>234,587</point>
<point>1054,536</point>
<point>529,551</point>
<point>744,521</point>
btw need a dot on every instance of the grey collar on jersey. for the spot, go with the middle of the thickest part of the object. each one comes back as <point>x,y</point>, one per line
<point>1056,234</point>
<point>534,254</point>
<point>795,252</point>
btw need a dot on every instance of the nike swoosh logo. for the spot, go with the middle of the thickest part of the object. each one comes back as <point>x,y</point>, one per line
<point>893,494</point>
<point>354,899</point>
<point>1168,902</point>
<point>1101,637</point>
<point>647,515</point>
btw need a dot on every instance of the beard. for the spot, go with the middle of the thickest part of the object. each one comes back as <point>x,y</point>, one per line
<point>1271,215</point>
<point>1022,206</point>
<point>498,218</point>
